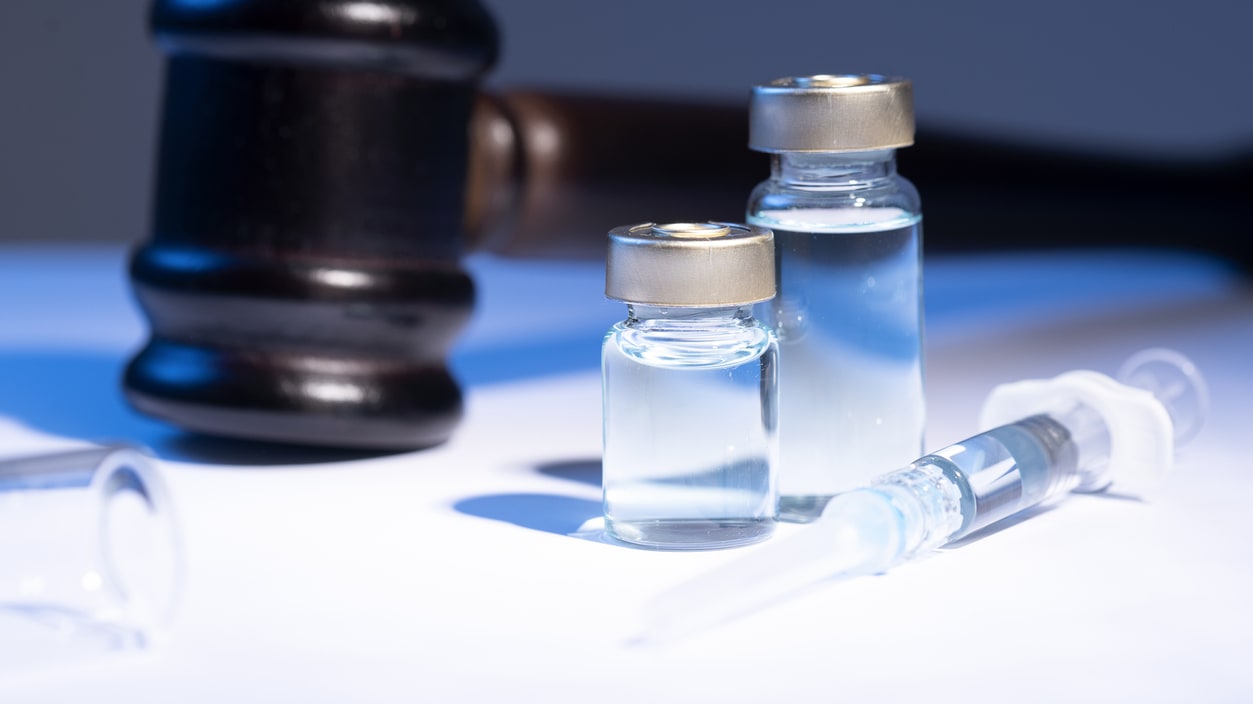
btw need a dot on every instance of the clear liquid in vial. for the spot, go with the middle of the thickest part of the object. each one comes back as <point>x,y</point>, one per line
<point>690,437</point>
<point>849,322</point>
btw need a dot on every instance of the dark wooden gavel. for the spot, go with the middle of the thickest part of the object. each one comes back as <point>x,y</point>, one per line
<point>323,167</point>
<point>302,280</point>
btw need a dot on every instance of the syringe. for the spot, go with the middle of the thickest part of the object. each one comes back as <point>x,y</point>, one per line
<point>1079,431</point>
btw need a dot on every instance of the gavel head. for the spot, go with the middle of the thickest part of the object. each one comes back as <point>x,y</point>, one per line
<point>302,278</point>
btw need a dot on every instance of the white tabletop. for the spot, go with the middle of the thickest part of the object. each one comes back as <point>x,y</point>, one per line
<point>452,575</point>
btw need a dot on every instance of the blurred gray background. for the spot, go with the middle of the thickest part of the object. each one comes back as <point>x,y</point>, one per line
<point>80,81</point>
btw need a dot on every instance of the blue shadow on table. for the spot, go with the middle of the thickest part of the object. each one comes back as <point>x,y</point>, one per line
<point>78,395</point>
<point>563,515</point>
<point>582,471</point>
<point>551,513</point>
<point>72,394</point>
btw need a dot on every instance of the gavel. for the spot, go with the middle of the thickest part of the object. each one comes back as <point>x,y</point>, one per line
<point>323,166</point>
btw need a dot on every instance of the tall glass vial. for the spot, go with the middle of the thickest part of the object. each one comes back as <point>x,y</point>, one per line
<point>848,253</point>
<point>689,387</point>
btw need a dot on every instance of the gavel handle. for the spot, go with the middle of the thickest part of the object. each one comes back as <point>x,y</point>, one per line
<point>551,173</point>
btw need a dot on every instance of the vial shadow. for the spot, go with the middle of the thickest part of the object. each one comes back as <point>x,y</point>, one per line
<point>551,513</point>
<point>570,516</point>
<point>576,517</point>
<point>581,471</point>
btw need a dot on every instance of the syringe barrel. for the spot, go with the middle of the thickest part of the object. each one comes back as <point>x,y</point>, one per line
<point>1008,469</point>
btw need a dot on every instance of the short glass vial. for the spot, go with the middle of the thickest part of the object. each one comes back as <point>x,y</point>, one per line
<point>689,383</point>
<point>848,240</point>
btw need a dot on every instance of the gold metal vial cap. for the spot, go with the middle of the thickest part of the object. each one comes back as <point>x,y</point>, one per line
<point>832,113</point>
<point>690,264</point>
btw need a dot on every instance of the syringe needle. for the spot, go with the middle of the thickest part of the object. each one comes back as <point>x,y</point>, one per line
<point>859,533</point>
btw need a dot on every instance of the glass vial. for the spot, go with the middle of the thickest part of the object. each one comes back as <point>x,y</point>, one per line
<point>689,387</point>
<point>90,555</point>
<point>848,256</point>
